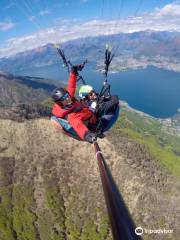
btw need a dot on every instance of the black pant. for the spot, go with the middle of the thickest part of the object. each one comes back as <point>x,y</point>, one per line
<point>108,106</point>
<point>106,111</point>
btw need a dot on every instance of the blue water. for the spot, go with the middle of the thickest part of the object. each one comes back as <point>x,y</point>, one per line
<point>152,90</point>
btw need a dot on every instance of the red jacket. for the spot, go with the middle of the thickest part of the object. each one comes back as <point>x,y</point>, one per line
<point>75,119</point>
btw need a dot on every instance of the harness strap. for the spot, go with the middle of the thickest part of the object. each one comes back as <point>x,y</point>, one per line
<point>77,109</point>
<point>74,110</point>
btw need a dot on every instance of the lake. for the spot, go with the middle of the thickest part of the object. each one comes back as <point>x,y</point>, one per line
<point>151,90</point>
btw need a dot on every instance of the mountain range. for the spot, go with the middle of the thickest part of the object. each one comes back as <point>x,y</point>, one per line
<point>150,47</point>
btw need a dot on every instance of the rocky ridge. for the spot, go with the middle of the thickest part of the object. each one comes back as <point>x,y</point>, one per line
<point>50,185</point>
<point>23,89</point>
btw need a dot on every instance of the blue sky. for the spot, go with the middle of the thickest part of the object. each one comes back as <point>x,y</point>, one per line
<point>20,18</point>
<point>46,12</point>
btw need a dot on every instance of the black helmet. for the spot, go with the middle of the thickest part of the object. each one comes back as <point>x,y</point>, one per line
<point>58,94</point>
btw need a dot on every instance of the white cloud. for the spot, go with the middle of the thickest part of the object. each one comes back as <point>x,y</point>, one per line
<point>65,30</point>
<point>32,18</point>
<point>6,25</point>
<point>171,10</point>
<point>44,12</point>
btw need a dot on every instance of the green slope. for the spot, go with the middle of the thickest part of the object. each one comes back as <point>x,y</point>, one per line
<point>163,144</point>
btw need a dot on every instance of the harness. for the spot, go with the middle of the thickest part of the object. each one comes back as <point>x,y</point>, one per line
<point>74,110</point>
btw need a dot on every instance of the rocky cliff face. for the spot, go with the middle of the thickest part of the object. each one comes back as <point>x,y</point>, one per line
<point>50,185</point>
<point>24,112</point>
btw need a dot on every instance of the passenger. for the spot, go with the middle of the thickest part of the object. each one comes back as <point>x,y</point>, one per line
<point>104,107</point>
<point>68,107</point>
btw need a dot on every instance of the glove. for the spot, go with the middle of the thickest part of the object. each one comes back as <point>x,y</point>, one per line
<point>90,137</point>
<point>77,68</point>
<point>101,135</point>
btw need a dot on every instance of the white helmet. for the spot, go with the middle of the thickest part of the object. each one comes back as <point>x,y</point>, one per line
<point>84,91</point>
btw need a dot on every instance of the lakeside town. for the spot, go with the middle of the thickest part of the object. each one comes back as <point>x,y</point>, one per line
<point>173,123</point>
<point>131,62</point>
<point>170,125</point>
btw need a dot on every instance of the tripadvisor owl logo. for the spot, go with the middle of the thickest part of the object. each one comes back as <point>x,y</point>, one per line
<point>139,231</point>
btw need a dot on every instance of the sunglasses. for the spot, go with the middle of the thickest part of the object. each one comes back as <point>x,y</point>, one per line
<point>91,93</point>
<point>65,96</point>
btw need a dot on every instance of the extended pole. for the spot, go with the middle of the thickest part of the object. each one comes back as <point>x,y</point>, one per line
<point>122,225</point>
